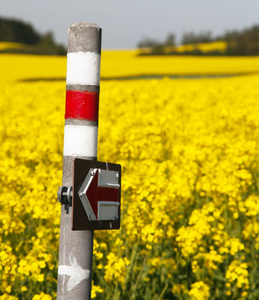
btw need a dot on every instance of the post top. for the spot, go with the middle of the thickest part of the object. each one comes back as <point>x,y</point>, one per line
<point>84,37</point>
<point>84,24</point>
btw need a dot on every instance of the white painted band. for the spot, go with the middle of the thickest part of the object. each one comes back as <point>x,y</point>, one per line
<point>83,68</point>
<point>80,140</point>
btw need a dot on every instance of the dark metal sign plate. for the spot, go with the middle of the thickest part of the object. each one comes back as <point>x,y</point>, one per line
<point>96,195</point>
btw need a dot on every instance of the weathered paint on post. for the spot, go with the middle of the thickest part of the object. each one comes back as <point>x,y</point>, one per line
<point>80,141</point>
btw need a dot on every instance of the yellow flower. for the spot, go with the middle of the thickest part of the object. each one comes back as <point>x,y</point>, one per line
<point>199,291</point>
<point>42,296</point>
<point>189,156</point>
<point>115,268</point>
<point>95,290</point>
<point>237,273</point>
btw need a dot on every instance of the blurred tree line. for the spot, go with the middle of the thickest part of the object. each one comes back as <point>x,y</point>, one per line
<point>244,42</point>
<point>12,30</point>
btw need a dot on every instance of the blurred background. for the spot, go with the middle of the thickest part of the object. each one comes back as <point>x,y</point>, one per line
<point>127,23</point>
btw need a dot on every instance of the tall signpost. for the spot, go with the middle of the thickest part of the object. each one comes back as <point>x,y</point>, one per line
<point>90,192</point>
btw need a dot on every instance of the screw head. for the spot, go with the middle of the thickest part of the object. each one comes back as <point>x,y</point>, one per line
<point>80,194</point>
<point>90,216</point>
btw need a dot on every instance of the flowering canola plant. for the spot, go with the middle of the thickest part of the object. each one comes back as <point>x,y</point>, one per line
<point>127,64</point>
<point>190,200</point>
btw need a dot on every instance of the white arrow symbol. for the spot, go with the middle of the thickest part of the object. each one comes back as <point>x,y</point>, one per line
<point>75,272</point>
<point>99,194</point>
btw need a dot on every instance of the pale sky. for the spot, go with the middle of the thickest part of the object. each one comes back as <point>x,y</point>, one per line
<point>126,22</point>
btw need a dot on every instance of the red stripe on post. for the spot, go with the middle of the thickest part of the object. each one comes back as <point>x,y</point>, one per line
<point>82,105</point>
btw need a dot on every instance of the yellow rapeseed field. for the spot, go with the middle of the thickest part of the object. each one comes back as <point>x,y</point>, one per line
<point>189,155</point>
<point>11,45</point>
<point>127,64</point>
<point>219,46</point>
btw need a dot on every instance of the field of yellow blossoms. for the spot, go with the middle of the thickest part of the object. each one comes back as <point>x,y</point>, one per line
<point>190,178</point>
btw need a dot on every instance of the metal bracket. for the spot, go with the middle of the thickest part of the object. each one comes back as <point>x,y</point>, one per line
<point>65,196</point>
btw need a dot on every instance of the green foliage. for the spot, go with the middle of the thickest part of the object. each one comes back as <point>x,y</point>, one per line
<point>157,48</point>
<point>244,42</point>
<point>170,40</point>
<point>148,42</point>
<point>12,30</point>
<point>194,38</point>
